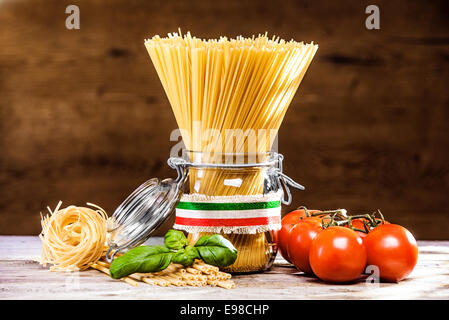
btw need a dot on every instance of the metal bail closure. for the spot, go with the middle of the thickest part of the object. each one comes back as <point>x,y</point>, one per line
<point>285,181</point>
<point>143,211</point>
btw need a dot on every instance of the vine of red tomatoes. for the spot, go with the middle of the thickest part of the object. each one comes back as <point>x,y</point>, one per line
<point>337,247</point>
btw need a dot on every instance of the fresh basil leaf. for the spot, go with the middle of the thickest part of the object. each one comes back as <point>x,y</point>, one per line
<point>141,259</point>
<point>175,239</point>
<point>186,256</point>
<point>216,250</point>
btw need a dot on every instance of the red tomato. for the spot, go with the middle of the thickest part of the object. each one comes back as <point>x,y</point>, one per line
<point>296,215</point>
<point>393,249</point>
<point>299,241</point>
<point>287,222</point>
<point>337,254</point>
<point>282,240</point>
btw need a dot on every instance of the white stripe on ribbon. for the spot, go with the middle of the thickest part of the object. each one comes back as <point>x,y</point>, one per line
<point>227,214</point>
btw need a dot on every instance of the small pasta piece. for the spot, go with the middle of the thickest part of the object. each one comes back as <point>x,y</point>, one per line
<point>193,270</point>
<point>202,277</point>
<point>160,281</point>
<point>227,284</point>
<point>174,276</point>
<point>173,281</point>
<point>136,277</point>
<point>144,275</point>
<point>149,281</point>
<point>224,275</point>
<point>189,276</point>
<point>209,266</point>
<point>200,268</point>
<point>211,277</point>
<point>194,283</point>
<point>212,283</point>
<point>177,282</point>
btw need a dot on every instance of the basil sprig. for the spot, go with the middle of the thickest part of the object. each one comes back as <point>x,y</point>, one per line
<point>186,256</point>
<point>216,250</point>
<point>213,249</point>
<point>141,259</point>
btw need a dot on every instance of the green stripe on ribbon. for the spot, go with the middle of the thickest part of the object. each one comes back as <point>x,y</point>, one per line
<point>228,206</point>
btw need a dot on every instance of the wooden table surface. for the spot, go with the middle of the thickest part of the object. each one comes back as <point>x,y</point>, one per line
<point>21,277</point>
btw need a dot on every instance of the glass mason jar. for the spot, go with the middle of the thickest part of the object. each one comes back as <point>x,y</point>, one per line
<point>233,194</point>
<point>238,196</point>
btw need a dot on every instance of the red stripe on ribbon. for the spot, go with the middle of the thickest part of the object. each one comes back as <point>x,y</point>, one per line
<point>237,222</point>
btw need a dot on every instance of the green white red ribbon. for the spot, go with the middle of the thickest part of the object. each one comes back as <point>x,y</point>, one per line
<point>244,214</point>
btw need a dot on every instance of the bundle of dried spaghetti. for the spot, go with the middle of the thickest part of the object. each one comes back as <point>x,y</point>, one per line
<point>223,84</point>
<point>224,93</point>
<point>73,237</point>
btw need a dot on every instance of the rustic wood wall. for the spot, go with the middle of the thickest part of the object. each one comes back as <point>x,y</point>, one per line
<point>83,116</point>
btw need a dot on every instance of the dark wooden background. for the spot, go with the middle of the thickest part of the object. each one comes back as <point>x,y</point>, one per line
<point>83,117</point>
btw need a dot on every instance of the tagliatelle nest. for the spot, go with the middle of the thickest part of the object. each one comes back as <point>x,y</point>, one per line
<point>73,237</point>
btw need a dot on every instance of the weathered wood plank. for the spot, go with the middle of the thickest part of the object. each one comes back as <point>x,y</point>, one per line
<point>21,278</point>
